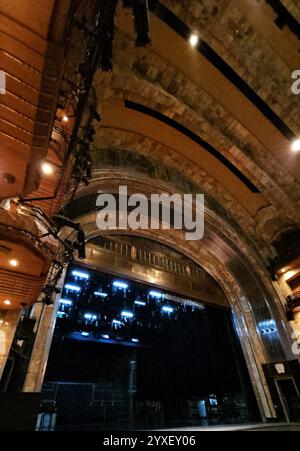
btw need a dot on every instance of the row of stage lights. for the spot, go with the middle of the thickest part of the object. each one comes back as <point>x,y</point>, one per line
<point>125,314</point>
<point>119,285</point>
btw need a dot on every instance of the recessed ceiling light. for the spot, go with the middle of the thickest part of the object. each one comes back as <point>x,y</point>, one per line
<point>296,145</point>
<point>194,40</point>
<point>14,263</point>
<point>7,302</point>
<point>47,168</point>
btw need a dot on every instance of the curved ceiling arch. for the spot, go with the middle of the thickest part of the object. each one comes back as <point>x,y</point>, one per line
<point>284,198</point>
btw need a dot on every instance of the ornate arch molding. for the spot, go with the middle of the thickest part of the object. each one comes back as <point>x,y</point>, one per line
<point>124,142</point>
<point>224,245</point>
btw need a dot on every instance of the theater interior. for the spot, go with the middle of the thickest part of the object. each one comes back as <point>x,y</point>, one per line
<point>125,329</point>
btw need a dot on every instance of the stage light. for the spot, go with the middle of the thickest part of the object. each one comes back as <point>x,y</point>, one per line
<point>14,263</point>
<point>141,21</point>
<point>81,245</point>
<point>156,294</point>
<point>66,302</point>
<point>168,309</point>
<point>95,114</point>
<point>127,314</point>
<point>135,340</point>
<point>85,334</point>
<point>101,295</point>
<point>90,133</point>
<point>70,287</point>
<point>116,322</point>
<point>61,315</point>
<point>80,275</point>
<point>106,337</point>
<point>107,26</point>
<point>142,304</point>
<point>47,168</point>
<point>194,40</point>
<point>296,145</point>
<point>121,285</point>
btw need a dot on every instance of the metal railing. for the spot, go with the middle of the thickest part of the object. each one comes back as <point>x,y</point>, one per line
<point>152,259</point>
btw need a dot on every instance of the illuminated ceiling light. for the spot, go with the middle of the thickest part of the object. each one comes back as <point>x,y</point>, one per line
<point>14,263</point>
<point>7,302</point>
<point>72,288</point>
<point>156,294</point>
<point>168,309</point>
<point>127,314</point>
<point>142,304</point>
<point>122,285</point>
<point>81,275</point>
<point>296,145</point>
<point>65,119</point>
<point>101,295</point>
<point>66,302</point>
<point>47,169</point>
<point>89,316</point>
<point>194,40</point>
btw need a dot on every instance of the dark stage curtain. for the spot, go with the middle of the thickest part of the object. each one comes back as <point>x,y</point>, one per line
<point>190,358</point>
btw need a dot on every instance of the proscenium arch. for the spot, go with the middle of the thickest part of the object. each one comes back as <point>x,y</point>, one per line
<point>223,255</point>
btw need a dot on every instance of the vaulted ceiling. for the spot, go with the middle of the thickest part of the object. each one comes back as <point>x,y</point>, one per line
<point>222,115</point>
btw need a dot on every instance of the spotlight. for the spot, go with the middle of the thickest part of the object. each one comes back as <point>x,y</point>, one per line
<point>7,302</point>
<point>48,300</point>
<point>81,244</point>
<point>156,294</point>
<point>127,314</point>
<point>100,295</point>
<point>66,302</point>
<point>70,287</point>
<point>85,181</point>
<point>61,221</point>
<point>120,285</point>
<point>65,119</point>
<point>140,303</point>
<point>14,263</point>
<point>90,133</point>
<point>95,114</point>
<point>47,168</point>
<point>296,145</point>
<point>194,40</point>
<point>80,275</point>
<point>141,20</point>
<point>108,28</point>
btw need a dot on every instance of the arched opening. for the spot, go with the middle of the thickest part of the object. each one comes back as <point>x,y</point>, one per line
<point>148,343</point>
